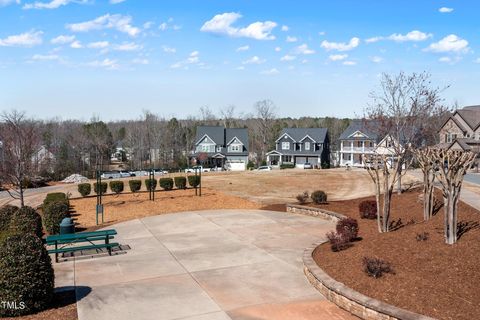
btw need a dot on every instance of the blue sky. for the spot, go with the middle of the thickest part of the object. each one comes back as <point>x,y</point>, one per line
<point>113,59</point>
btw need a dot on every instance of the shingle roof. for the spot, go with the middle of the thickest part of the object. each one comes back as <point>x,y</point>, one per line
<point>216,133</point>
<point>471,115</point>
<point>364,126</point>
<point>317,134</point>
<point>240,133</point>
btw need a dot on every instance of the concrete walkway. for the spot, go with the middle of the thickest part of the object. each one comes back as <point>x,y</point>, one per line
<point>223,264</point>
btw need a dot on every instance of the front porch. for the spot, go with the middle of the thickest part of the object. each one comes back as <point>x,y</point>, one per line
<point>275,159</point>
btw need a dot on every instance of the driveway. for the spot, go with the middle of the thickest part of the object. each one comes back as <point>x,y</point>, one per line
<point>223,264</point>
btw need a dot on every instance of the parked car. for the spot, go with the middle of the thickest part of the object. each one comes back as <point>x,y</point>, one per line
<point>111,175</point>
<point>264,168</point>
<point>192,170</point>
<point>125,174</point>
<point>216,169</point>
<point>140,173</point>
<point>160,171</point>
<point>307,165</point>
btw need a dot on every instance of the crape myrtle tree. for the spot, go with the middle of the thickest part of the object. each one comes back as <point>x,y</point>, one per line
<point>20,140</point>
<point>400,111</point>
<point>451,166</point>
<point>265,115</point>
<point>427,163</point>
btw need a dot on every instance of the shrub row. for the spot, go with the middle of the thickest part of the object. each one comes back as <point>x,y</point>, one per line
<point>135,185</point>
<point>56,197</point>
<point>287,166</point>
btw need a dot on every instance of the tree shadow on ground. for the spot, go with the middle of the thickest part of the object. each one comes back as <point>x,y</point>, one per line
<point>465,226</point>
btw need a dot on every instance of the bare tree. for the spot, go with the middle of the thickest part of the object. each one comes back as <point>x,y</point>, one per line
<point>451,166</point>
<point>228,116</point>
<point>426,161</point>
<point>20,141</point>
<point>400,113</point>
<point>265,115</point>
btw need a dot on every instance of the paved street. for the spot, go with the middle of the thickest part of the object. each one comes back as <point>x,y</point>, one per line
<point>223,264</point>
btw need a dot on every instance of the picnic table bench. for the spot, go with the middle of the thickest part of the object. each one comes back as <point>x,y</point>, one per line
<point>62,241</point>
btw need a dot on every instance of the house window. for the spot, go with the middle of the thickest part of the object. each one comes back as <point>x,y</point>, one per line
<point>285,145</point>
<point>287,158</point>
<point>450,137</point>
<point>235,148</point>
<point>205,148</point>
<point>307,145</point>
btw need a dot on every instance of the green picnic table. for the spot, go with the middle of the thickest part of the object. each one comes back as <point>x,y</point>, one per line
<point>62,242</point>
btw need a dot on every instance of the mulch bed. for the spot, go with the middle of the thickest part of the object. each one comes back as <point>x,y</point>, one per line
<point>63,307</point>
<point>431,277</point>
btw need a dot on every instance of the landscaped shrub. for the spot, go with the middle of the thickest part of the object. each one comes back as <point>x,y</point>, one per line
<point>347,228</point>
<point>303,197</point>
<point>319,197</point>
<point>56,196</point>
<point>26,275</point>
<point>375,267</point>
<point>53,214</point>
<point>116,186</point>
<point>84,189</point>
<point>151,184</point>
<point>250,165</point>
<point>103,188</point>
<point>6,214</point>
<point>368,209</point>
<point>287,166</point>
<point>166,183</point>
<point>180,182</point>
<point>135,185</point>
<point>194,181</point>
<point>27,220</point>
<point>337,241</point>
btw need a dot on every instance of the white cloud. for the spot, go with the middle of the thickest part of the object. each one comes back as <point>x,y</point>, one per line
<point>140,61</point>
<point>243,48</point>
<point>445,59</point>
<point>278,49</point>
<point>476,60</point>
<point>373,39</point>
<point>269,72</point>
<point>341,46</point>
<point>451,43</point>
<point>376,59</point>
<point>62,39</point>
<point>168,49</point>
<point>54,4</point>
<point>98,45</point>
<point>4,3</point>
<point>116,1</point>
<point>445,10</point>
<point>26,39</point>
<point>254,60</point>
<point>322,33</point>
<point>49,57</point>
<point>105,63</point>
<point>168,25</point>
<point>127,46</point>
<point>291,39</point>
<point>303,49</point>
<point>163,26</point>
<point>118,22</point>
<point>414,35</point>
<point>222,24</point>
<point>288,58</point>
<point>148,24</point>
<point>285,28</point>
<point>349,63</point>
<point>76,45</point>
<point>240,68</point>
<point>193,58</point>
<point>337,57</point>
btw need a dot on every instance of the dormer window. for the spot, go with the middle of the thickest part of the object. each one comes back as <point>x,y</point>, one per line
<point>307,145</point>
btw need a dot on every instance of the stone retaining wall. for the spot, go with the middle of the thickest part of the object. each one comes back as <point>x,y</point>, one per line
<point>346,298</point>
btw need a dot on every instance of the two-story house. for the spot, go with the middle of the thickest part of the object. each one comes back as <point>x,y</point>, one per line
<point>217,146</point>
<point>461,131</point>
<point>298,146</point>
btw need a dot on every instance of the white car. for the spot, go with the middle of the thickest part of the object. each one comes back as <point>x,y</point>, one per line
<point>264,168</point>
<point>198,168</point>
<point>111,175</point>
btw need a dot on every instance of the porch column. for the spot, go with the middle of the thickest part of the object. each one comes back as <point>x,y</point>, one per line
<point>341,145</point>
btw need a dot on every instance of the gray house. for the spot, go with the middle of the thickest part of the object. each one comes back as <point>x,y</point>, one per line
<point>217,146</point>
<point>301,145</point>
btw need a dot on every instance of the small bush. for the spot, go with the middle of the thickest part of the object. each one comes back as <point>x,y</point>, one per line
<point>194,181</point>
<point>56,196</point>
<point>151,184</point>
<point>135,185</point>
<point>6,214</point>
<point>337,241</point>
<point>103,188</point>
<point>166,183</point>
<point>180,182</point>
<point>84,189</point>
<point>250,165</point>
<point>287,166</point>
<point>423,236</point>
<point>303,197</point>
<point>347,228</point>
<point>319,197</point>
<point>53,214</point>
<point>27,220</point>
<point>116,186</point>
<point>368,209</point>
<point>26,275</point>
<point>375,267</point>
<point>263,163</point>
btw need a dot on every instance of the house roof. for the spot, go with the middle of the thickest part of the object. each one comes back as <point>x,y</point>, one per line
<point>216,133</point>
<point>317,134</point>
<point>240,133</point>
<point>471,115</point>
<point>364,126</point>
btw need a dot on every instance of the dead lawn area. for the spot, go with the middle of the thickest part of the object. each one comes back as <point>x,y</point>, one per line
<point>129,206</point>
<point>431,277</point>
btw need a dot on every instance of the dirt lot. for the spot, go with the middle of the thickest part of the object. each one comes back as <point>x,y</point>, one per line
<point>431,277</point>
